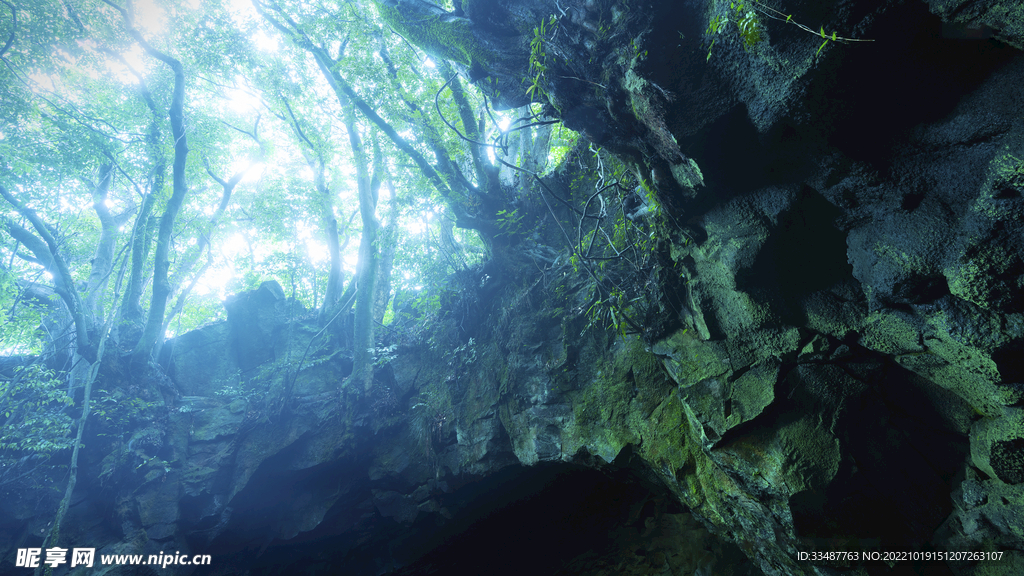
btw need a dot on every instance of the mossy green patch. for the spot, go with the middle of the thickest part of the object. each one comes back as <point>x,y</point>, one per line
<point>811,455</point>
<point>687,174</point>
<point>1004,185</point>
<point>600,413</point>
<point>619,407</point>
<point>828,314</point>
<point>891,333</point>
<point>210,423</point>
<point>753,392</point>
<point>901,260</point>
<point>990,436</point>
<point>720,404</point>
<point>735,311</point>
<point>961,368</point>
<point>987,274</point>
<point>690,360</point>
<point>664,435</point>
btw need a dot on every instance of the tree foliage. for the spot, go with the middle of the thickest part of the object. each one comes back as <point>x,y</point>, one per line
<point>156,157</point>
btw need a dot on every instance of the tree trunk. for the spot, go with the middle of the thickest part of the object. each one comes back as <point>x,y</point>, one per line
<point>161,265</point>
<point>330,225</point>
<point>317,162</point>
<point>131,306</point>
<point>386,247</point>
<point>103,261</point>
<point>362,361</point>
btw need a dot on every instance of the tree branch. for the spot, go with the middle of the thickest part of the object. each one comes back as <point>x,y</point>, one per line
<point>63,283</point>
<point>14,27</point>
<point>161,286</point>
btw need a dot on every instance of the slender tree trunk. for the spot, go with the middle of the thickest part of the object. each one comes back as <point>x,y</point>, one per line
<point>161,286</point>
<point>330,226</point>
<point>53,537</point>
<point>317,162</point>
<point>362,369</point>
<point>92,370</point>
<point>195,253</point>
<point>386,248</point>
<point>131,306</point>
<point>103,261</point>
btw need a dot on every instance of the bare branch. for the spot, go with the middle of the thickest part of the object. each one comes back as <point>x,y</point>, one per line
<point>14,27</point>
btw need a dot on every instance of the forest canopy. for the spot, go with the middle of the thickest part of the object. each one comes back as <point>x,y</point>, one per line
<point>158,156</point>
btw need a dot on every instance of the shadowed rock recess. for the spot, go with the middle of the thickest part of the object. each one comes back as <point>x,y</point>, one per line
<point>819,348</point>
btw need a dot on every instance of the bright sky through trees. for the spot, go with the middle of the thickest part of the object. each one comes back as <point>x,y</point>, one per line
<point>269,174</point>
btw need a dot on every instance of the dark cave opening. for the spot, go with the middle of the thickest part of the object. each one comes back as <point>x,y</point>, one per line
<point>906,441</point>
<point>808,254</point>
<point>1009,361</point>
<point>554,512</point>
<point>551,518</point>
<point>875,98</point>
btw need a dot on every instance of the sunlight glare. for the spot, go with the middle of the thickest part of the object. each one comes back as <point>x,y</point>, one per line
<point>414,227</point>
<point>134,57</point>
<point>215,281</point>
<point>252,169</point>
<point>262,41</point>
<point>316,251</point>
<point>243,99</point>
<point>150,17</point>
<point>351,260</point>
<point>233,246</point>
<point>241,12</point>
